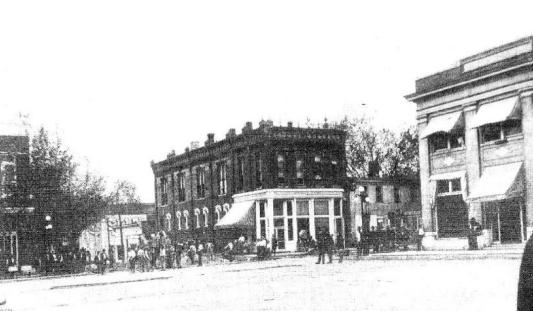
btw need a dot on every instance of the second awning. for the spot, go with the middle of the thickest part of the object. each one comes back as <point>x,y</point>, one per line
<point>498,183</point>
<point>240,215</point>
<point>497,111</point>
<point>445,123</point>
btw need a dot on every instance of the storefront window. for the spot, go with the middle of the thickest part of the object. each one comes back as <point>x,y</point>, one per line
<point>442,186</point>
<point>321,207</point>
<point>262,224</point>
<point>302,208</point>
<point>456,185</point>
<point>337,207</point>
<point>289,208</point>
<point>278,207</point>
<point>261,209</point>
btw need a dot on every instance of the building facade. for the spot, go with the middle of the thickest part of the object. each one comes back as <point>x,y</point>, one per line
<point>122,227</point>
<point>476,144</point>
<point>268,181</point>
<point>17,233</point>
<point>389,202</point>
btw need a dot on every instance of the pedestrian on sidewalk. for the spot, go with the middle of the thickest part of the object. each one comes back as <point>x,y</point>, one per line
<point>419,238</point>
<point>525,280</point>
<point>321,245</point>
<point>274,244</point>
<point>200,253</point>
<point>340,247</point>
<point>330,247</point>
<point>131,259</point>
<point>179,252</point>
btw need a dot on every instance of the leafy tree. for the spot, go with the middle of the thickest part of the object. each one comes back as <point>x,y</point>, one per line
<point>372,152</point>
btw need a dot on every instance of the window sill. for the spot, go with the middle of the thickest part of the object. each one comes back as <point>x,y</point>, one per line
<point>447,151</point>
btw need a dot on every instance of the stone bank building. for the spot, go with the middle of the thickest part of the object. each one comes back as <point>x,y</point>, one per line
<point>266,181</point>
<point>476,145</point>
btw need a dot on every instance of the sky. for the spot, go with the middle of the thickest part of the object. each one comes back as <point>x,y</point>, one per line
<point>125,82</point>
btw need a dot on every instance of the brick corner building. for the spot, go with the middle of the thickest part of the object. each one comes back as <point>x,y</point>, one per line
<point>268,181</point>
<point>476,145</point>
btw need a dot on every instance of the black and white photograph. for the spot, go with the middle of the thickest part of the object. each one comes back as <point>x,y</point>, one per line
<point>266,155</point>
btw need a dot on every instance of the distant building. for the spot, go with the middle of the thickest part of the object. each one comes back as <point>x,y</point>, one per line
<point>17,233</point>
<point>268,181</point>
<point>390,202</point>
<point>476,145</point>
<point>135,221</point>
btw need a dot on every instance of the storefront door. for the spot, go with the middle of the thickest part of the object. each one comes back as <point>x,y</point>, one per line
<point>452,216</point>
<point>510,220</point>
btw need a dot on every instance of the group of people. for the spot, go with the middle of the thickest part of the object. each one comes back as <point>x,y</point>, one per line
<point>384,239</point>
<point>161,253</point>
<point>325,244</point>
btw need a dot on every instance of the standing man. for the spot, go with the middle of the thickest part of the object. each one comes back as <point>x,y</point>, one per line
<point>320,241</point>
<point>330,245</point>
<point>419,238</point>
<point>179,251</point>
<point>525,281</point>
<point>200,252</point>
<point>274,244</point>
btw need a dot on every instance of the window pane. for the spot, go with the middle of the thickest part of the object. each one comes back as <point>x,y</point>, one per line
<point>457,140</point>
<point>261,209</point>
<point>278,222</point>
<point>321,207</point>
<point>379,194</point>
<point>443,186</point>
<point>511,127</point>
<point>321,223</point>
<point>490,132</point>
<point>290,235</point>
<point>262,223</point>
<point>337,207</point>
<point>302,208</point>
<point>438,141</point>
<point>456,185</point>
<point>278,208</point>
<point>289,208</point>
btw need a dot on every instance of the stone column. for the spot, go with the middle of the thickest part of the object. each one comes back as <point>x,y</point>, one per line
<point>269,217</point>
<point>527,129</point>
<point>473,165</point>
<point>426,197</point>
<point>312,218</point>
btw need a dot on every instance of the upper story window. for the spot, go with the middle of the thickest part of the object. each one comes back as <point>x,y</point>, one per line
<point>181,187</point>
<point>500,130</point>
<point>200,182</point>
<point>397,198</point>
<point>447,186</point>
<point>446,141</point>
<point>240,174</point>
<point>163,189</point>
<point>318,168</point>
<point>300,171</point>
<point>258,171</point>
<point>280,158</point>
<point>222,184</point>
<point>379,194</point>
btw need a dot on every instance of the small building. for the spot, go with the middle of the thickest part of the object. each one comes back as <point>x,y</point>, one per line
<point>266,181</point>
<point>390,202</point>
<point>123,225</point>
<point>476,145</point>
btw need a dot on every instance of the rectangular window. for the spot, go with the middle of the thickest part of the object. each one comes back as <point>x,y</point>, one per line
<point>262,224</point>
<point>278,222</point>
<point>258,171</point>
<point>302,208</point>
<point>337,207</point>
<point>456,140</point>
<point>222,184</point>
<point>443,186</point>
<point>290,233</point>
<point>262,209</point>
<point>299,172</point>
<point>379,194</point>
<point>512,127</point>
<point>281,168</point>
<point>397,198</point>
<point>456,185</point>
<point>200,182</point>
<point>317,168</point>
<point>491,132</point>
<point>438,141</point>
<point>240,174</point>
<point>278,207</point>
<point>163,189</point>
<point>321,207</point>
<point>289,208</point>
<point>181,187</point>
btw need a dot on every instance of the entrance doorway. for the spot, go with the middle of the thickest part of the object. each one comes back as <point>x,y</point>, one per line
<point>452,216</point>
<point>503,217</point>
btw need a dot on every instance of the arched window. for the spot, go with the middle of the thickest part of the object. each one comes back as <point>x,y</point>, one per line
<point>197,214</point>
<point>218,210</point>
<point>168,217</point>
<point>206,216</point>
<point>186,216</point>
<point>178,219</point>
